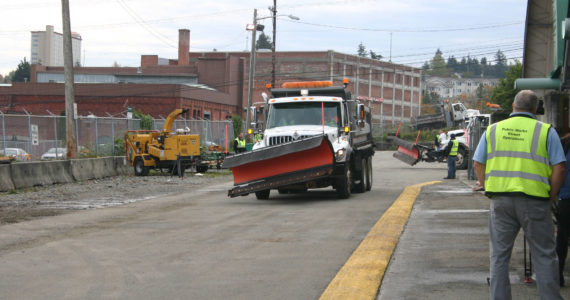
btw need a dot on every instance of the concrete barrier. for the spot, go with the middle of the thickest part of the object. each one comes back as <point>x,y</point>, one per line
<point>123,167</point>
<point>104,167</point>
<point>6,182</point>
<point>30,174</point>
<point>57,171</point>
<point>82,169</point>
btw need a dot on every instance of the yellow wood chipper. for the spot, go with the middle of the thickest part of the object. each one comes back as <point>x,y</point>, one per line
<point>173,151</point>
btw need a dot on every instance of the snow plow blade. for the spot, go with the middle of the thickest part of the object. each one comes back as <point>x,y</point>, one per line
<point>280,165</point>
<point>407,152</point>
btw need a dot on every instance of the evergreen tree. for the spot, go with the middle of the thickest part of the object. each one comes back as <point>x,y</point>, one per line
<point>504,93</point>
<point>462,65</point>
<point>438,67</point>
<point>373,55</point>
<point>452,64</point>
<point>425,67</point>
<point>500,66</point>
<point>263,42</point>
<point>22,72</point>
<point>484,67</point>
<point>362,50</point>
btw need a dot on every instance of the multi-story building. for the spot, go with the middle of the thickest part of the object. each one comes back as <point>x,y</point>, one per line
<point>47,47</point>
<point>215,84</point>
<point>449,88</point>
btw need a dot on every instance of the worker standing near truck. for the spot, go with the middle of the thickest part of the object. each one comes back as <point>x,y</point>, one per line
<point>451,152</point>
<point>521,164</point>
<point>239,143</point>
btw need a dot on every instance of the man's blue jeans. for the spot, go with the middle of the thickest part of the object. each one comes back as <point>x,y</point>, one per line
<point>451,166</point>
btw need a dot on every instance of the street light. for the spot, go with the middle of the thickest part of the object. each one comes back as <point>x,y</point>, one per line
<point>254,28</point>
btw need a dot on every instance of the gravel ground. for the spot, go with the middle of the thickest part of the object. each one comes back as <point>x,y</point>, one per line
<point>37,202</point>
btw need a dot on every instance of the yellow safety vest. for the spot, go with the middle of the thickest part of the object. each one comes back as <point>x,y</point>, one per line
<point>241,143</point>
<point>517,158</point>
<point>454,148</point>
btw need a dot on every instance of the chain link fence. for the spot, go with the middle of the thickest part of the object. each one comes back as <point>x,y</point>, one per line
<point>95,136</point>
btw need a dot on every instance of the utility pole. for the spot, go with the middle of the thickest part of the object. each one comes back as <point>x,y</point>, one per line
<point>69,88</point>
<point>274,13</point>
<point>251,70</point>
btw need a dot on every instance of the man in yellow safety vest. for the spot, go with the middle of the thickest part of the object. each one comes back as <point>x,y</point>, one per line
<point>451,152</point>
<point>239,143</point>
<point>521,164</point>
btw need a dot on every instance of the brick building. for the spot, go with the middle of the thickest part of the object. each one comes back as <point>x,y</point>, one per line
<point>215,84</point>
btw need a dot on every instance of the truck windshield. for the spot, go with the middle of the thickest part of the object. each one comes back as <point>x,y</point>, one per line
<point>304,113</point>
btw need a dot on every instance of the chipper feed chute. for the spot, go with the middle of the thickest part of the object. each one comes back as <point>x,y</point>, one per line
<point>407,152</point>
<point>280,165</point>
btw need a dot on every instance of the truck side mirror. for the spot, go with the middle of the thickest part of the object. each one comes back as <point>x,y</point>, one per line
<point>361,115</point>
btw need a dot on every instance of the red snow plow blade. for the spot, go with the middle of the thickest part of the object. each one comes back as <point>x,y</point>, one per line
<point>280,165</point>
<point>407,152</point>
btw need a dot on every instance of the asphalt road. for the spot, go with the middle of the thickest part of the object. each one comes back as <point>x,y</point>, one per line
<point>202,245</point>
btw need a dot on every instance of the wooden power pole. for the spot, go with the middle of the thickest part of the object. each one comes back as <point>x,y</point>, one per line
<point>69,88</point>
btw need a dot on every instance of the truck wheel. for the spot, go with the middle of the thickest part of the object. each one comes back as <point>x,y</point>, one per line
<point>369,177</point>
<point>140,169</point>
<point>344,183</point>
<point>462,159</point>
<point>262,195</point>
<point>361,187</point>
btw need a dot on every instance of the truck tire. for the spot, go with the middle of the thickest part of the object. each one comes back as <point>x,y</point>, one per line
<point>361,187</point>
<point>462,159</point>
<point>369,177</point>
<point>140,169</point>
<point>201,169</point>
<point>262,195</point>
<point>344,183</point>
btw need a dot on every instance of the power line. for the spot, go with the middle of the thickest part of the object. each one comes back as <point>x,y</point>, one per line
<point>417,30</point>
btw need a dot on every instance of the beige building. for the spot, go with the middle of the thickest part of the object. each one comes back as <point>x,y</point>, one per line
<point>449,88</point>
<point>47,48</point>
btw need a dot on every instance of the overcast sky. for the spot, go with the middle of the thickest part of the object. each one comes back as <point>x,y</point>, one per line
<point>121,30</point>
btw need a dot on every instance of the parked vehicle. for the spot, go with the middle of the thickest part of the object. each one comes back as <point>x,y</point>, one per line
<point>173,151</point>
<point>451,114</point>
<point>411,153</point>
<point>16,153</point>
<point>54,153</point>
<point>316,136</point>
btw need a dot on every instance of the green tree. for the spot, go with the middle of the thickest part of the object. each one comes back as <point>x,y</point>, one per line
<point>504,93</point>
<point>362,50</point>
<point>22,72</point>
<point>438,67</point>
<point>373,55</point>
<point>500,66</point>
<point>452,63</point>
<point>237,121</point>
<point>263,42</point>
<point>147,122</point>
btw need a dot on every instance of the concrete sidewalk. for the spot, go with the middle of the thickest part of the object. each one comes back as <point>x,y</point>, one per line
<point>444,250</point>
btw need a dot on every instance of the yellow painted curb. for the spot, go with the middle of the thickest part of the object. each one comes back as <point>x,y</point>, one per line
<point>361,275</point>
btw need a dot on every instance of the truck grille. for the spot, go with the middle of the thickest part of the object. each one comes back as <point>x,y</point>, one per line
<point>275,140</point>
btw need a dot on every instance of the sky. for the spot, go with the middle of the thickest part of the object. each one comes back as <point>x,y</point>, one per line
<point>408,31</point>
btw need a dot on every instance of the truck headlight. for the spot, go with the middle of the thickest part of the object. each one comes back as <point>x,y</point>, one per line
<point>340,153</point>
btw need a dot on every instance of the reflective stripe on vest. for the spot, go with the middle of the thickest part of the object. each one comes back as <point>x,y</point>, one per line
<point>241,143</point>
<point>517,158</point>
<point>454,148</point>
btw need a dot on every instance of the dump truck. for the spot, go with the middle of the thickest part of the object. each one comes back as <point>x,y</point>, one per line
<point>450,114</point>
<point>316,135</point>
<point>173,151</point>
